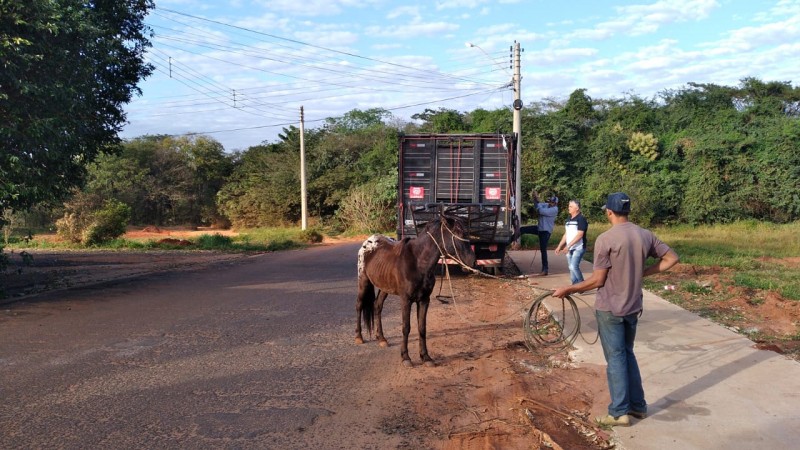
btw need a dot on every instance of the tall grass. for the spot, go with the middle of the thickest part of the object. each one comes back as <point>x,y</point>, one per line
<point>754,250</point>
<point>256,239</point>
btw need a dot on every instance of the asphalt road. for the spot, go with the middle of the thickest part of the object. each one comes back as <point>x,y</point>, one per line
<point>251,354</point>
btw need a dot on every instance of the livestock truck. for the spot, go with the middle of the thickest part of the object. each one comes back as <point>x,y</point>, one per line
<point>466,175</point>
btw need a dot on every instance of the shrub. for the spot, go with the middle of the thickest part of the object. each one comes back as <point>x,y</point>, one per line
<point>89,221</point>
<point>214,241</point>
<point>368,208</point>
<point>108,223</point>
<point>310,236</point>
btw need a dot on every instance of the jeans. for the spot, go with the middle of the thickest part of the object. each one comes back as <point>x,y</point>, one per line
<point>624,380</point>
<point>544,237</point>
<point>574,262</point>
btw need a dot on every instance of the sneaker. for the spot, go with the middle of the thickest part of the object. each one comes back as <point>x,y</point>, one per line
<point>543,274</point>
<point>609,420</point>
<point>637,414</point>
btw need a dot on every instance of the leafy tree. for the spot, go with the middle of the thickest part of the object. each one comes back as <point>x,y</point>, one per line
<point>210,166</point>
<point>357,119</point>
<point>442,121</point>
<point>68,68</point>
<point>165,180</point>
<point>496,121</point>
<point>264,187</point>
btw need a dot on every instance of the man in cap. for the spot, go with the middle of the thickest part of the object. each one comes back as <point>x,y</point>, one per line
<point>619,266</point>
<point>548,210</point>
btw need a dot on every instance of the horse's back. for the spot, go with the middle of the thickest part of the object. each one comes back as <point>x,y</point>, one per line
<point>381,260</point>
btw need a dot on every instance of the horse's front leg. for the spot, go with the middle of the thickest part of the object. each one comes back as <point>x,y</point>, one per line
<point>406,331</point>
<point>360,298</point>
<point>379,326</point>
<point>422,315</point>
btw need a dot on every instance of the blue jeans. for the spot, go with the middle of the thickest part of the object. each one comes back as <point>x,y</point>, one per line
<point>574,262</point>
<point>544,237</point>
<point>624,380</point>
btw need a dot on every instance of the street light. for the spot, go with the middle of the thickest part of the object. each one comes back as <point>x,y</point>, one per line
<point>471,45</point>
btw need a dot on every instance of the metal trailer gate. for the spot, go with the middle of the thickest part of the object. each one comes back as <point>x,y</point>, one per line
<point>466,175</point>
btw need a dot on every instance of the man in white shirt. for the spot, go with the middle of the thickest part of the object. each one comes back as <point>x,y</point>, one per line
<point>573,243</point>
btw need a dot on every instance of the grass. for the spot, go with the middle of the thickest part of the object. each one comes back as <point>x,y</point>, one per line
<point>256,239</point>
<point>753,250</point>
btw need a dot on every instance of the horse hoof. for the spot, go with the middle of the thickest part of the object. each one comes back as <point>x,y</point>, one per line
<point>383,343</point>
<point>430,364</point>
<point>408,363</point>
<point>359,340</point>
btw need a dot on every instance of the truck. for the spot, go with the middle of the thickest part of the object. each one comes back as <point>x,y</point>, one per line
<point>470,176</point>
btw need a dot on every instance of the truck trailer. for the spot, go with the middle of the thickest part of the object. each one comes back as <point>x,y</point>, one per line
<point>466,175</point>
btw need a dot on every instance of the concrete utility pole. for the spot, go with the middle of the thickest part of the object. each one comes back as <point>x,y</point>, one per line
<point>303,201</point>
<point>517,128</point>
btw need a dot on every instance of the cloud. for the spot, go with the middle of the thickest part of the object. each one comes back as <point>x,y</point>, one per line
<point>412,30</point>
<point>412,11</point>
<point>637,20</point>
<point>328,38</point>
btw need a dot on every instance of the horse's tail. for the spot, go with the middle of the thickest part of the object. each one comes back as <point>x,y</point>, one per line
<point>368,307</point>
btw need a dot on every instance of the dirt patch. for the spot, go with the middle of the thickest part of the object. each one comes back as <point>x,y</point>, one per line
<point>771,321</point>
<point>509,396</point>
<point>490,391</point>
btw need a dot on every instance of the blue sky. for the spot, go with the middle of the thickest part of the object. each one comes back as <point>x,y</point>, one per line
<point>239,70</point>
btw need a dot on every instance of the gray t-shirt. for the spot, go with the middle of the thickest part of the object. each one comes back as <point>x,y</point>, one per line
<point>623,250</point>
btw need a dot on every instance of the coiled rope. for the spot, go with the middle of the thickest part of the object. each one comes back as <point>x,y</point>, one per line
<point>545,327</point>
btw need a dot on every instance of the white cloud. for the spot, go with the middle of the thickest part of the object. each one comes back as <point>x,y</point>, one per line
<point>329,38</point>
<point>412,30</point>
<point>411,11</point>
<point>637,20</point>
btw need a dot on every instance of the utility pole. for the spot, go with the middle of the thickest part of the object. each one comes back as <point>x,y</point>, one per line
<point>303,201</point>
<point>517,129</point>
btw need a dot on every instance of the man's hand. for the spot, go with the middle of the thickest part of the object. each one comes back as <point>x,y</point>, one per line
<point>561,292</point>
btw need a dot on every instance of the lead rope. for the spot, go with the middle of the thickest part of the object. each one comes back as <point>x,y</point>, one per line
<point>548,333</point>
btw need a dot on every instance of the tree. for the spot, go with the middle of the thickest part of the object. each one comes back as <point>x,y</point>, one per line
<point>67,68</point>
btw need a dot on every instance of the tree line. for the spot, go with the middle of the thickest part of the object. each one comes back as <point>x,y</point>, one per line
<point>700,154</point>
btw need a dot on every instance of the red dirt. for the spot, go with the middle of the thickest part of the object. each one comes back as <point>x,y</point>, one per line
<point>770,320</point>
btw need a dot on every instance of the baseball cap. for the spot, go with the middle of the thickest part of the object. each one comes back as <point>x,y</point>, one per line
<point>553,199</point>
<point>618,202</point>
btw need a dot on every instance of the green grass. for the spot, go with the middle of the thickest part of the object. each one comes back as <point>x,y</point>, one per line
<point>256,239</point>
<point>752,249</point>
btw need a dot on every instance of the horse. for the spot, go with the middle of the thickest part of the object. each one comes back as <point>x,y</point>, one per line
<point>406,268</point>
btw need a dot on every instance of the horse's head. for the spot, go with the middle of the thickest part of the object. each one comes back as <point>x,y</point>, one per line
<point>452,236</point>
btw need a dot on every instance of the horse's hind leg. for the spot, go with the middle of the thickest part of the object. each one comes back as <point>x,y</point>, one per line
<point>406,331</point>
<point>422,318</point>
<point>364,307</point>
<point>379,325</point>
<point>359,337</point>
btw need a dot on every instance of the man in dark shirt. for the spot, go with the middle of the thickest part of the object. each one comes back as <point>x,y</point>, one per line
<point>619,266</point>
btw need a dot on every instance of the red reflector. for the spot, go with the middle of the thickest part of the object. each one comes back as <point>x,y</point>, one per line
<point>492,248</point>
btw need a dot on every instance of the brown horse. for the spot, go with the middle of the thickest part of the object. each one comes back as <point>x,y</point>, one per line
<point>406,268</point>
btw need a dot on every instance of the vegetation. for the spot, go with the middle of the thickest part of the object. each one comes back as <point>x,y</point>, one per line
<point>59,111</point>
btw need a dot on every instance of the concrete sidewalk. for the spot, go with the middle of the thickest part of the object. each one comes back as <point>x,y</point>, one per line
<point>707,387</point>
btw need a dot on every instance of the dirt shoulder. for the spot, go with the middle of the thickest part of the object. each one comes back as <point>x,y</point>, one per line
<point>490,391</point>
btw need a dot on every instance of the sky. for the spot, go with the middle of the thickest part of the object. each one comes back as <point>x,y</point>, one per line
<point>239,71</point>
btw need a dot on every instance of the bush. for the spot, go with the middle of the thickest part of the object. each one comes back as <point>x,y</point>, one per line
<point>369,208</point>
<point>311,236</point>
<point>89,221</point>
<point>109,223</point>
<point>214,241</point>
